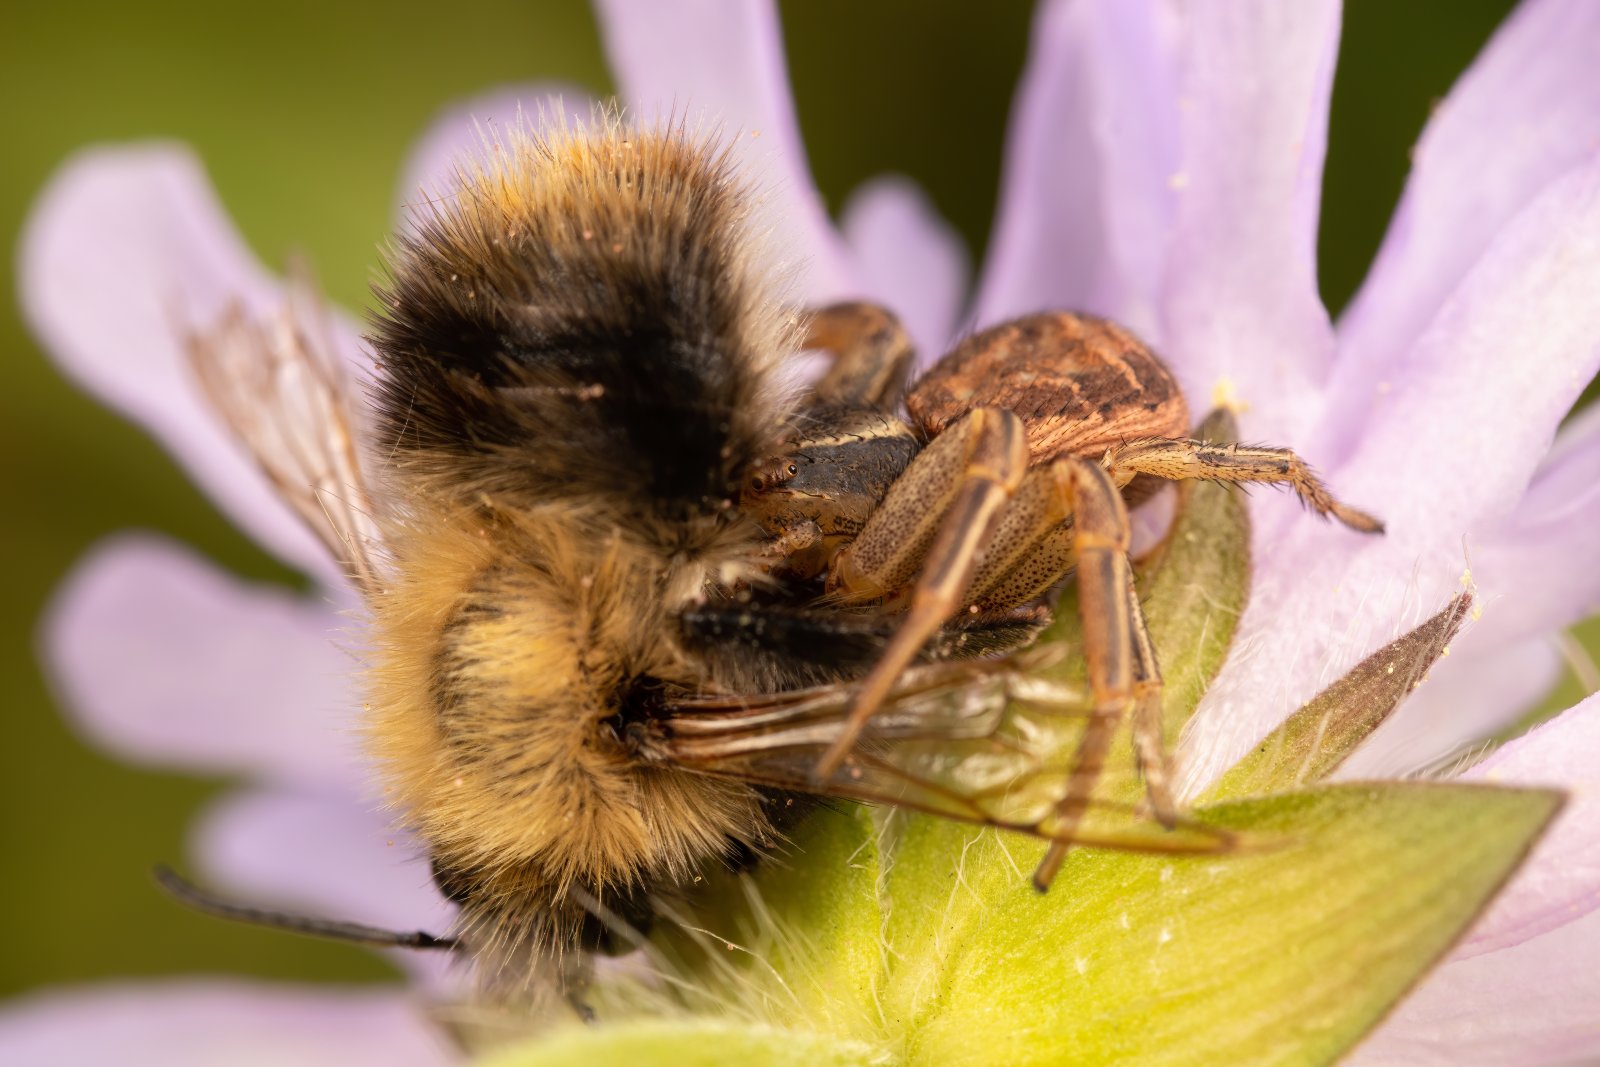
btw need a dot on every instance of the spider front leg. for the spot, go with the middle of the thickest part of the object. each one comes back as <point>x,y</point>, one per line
<point>872,355</point>
<point>931,527</point>
<point>1178,459</point>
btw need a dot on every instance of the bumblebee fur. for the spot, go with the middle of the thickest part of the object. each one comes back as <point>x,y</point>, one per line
<point>579,362</point>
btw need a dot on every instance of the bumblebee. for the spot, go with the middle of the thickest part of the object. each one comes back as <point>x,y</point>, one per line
<point>631,593</point>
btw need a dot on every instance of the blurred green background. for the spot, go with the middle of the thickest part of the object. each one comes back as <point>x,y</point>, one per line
<point>303,113</point>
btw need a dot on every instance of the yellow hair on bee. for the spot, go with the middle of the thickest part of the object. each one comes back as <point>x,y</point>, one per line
<point>491,704</point>
<point>578,368</point>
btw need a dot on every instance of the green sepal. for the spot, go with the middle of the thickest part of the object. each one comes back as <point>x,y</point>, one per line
<point>686,1042</point>
<point>1311,744</point>
<point>1288,954</point>
<point>759,933</point>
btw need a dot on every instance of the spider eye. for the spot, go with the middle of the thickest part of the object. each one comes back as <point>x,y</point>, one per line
<point>758,483</point>
<point>793,470</point>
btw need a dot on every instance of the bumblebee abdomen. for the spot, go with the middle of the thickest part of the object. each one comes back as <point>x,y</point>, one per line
<point>579,318</point>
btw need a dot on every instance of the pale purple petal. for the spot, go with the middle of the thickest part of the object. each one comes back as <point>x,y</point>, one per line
<point>1242,317</point>
<point>1086,197</point>
<point>1561,880</point>
<point>1481,687</point>
<point>463,131</point>
<point>910,259</point>
<point>1545,555</point>
<point>1539,570</point>
<point>125,249</point>
<point>1508,353</point>
<point>1526,112</point>
<point>1532,1005</point>
<point>209,1022</point>
<point>1434,484</point>
<point>1572,465</point>
<point>325,855</point>
<point>719,64</point>
<point>168,662</point>
<point>331,857</point>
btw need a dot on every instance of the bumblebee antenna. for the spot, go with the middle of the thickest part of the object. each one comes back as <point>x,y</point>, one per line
<point>190,895</point>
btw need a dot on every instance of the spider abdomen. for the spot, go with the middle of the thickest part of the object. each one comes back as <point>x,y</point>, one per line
<point>1080,384</point>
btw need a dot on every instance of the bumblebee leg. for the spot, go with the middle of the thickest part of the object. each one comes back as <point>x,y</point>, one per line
<point>576,973</point>
<point>767,649</point>
<point>1109,611</point>
<point>1177,459</point>
<point>872,355</point>
<point>936,519</point>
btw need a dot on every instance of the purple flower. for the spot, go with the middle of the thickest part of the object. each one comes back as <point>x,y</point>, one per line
<point>1164,169</point>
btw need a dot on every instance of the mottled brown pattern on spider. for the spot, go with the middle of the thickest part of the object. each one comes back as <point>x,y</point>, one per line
<point>1079,383</point>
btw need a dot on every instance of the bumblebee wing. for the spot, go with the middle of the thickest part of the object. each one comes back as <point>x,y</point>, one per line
<point>982,742</point>
<point>283,389</point>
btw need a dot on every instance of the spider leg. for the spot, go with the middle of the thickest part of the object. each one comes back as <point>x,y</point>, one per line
<point>936,519</point>
<point>1036,542</point>
<point>1179,458</point>
<point>1149,746</point>
<point>872,355</point>
<point>1115,658</point>
<point>1031,548</point>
